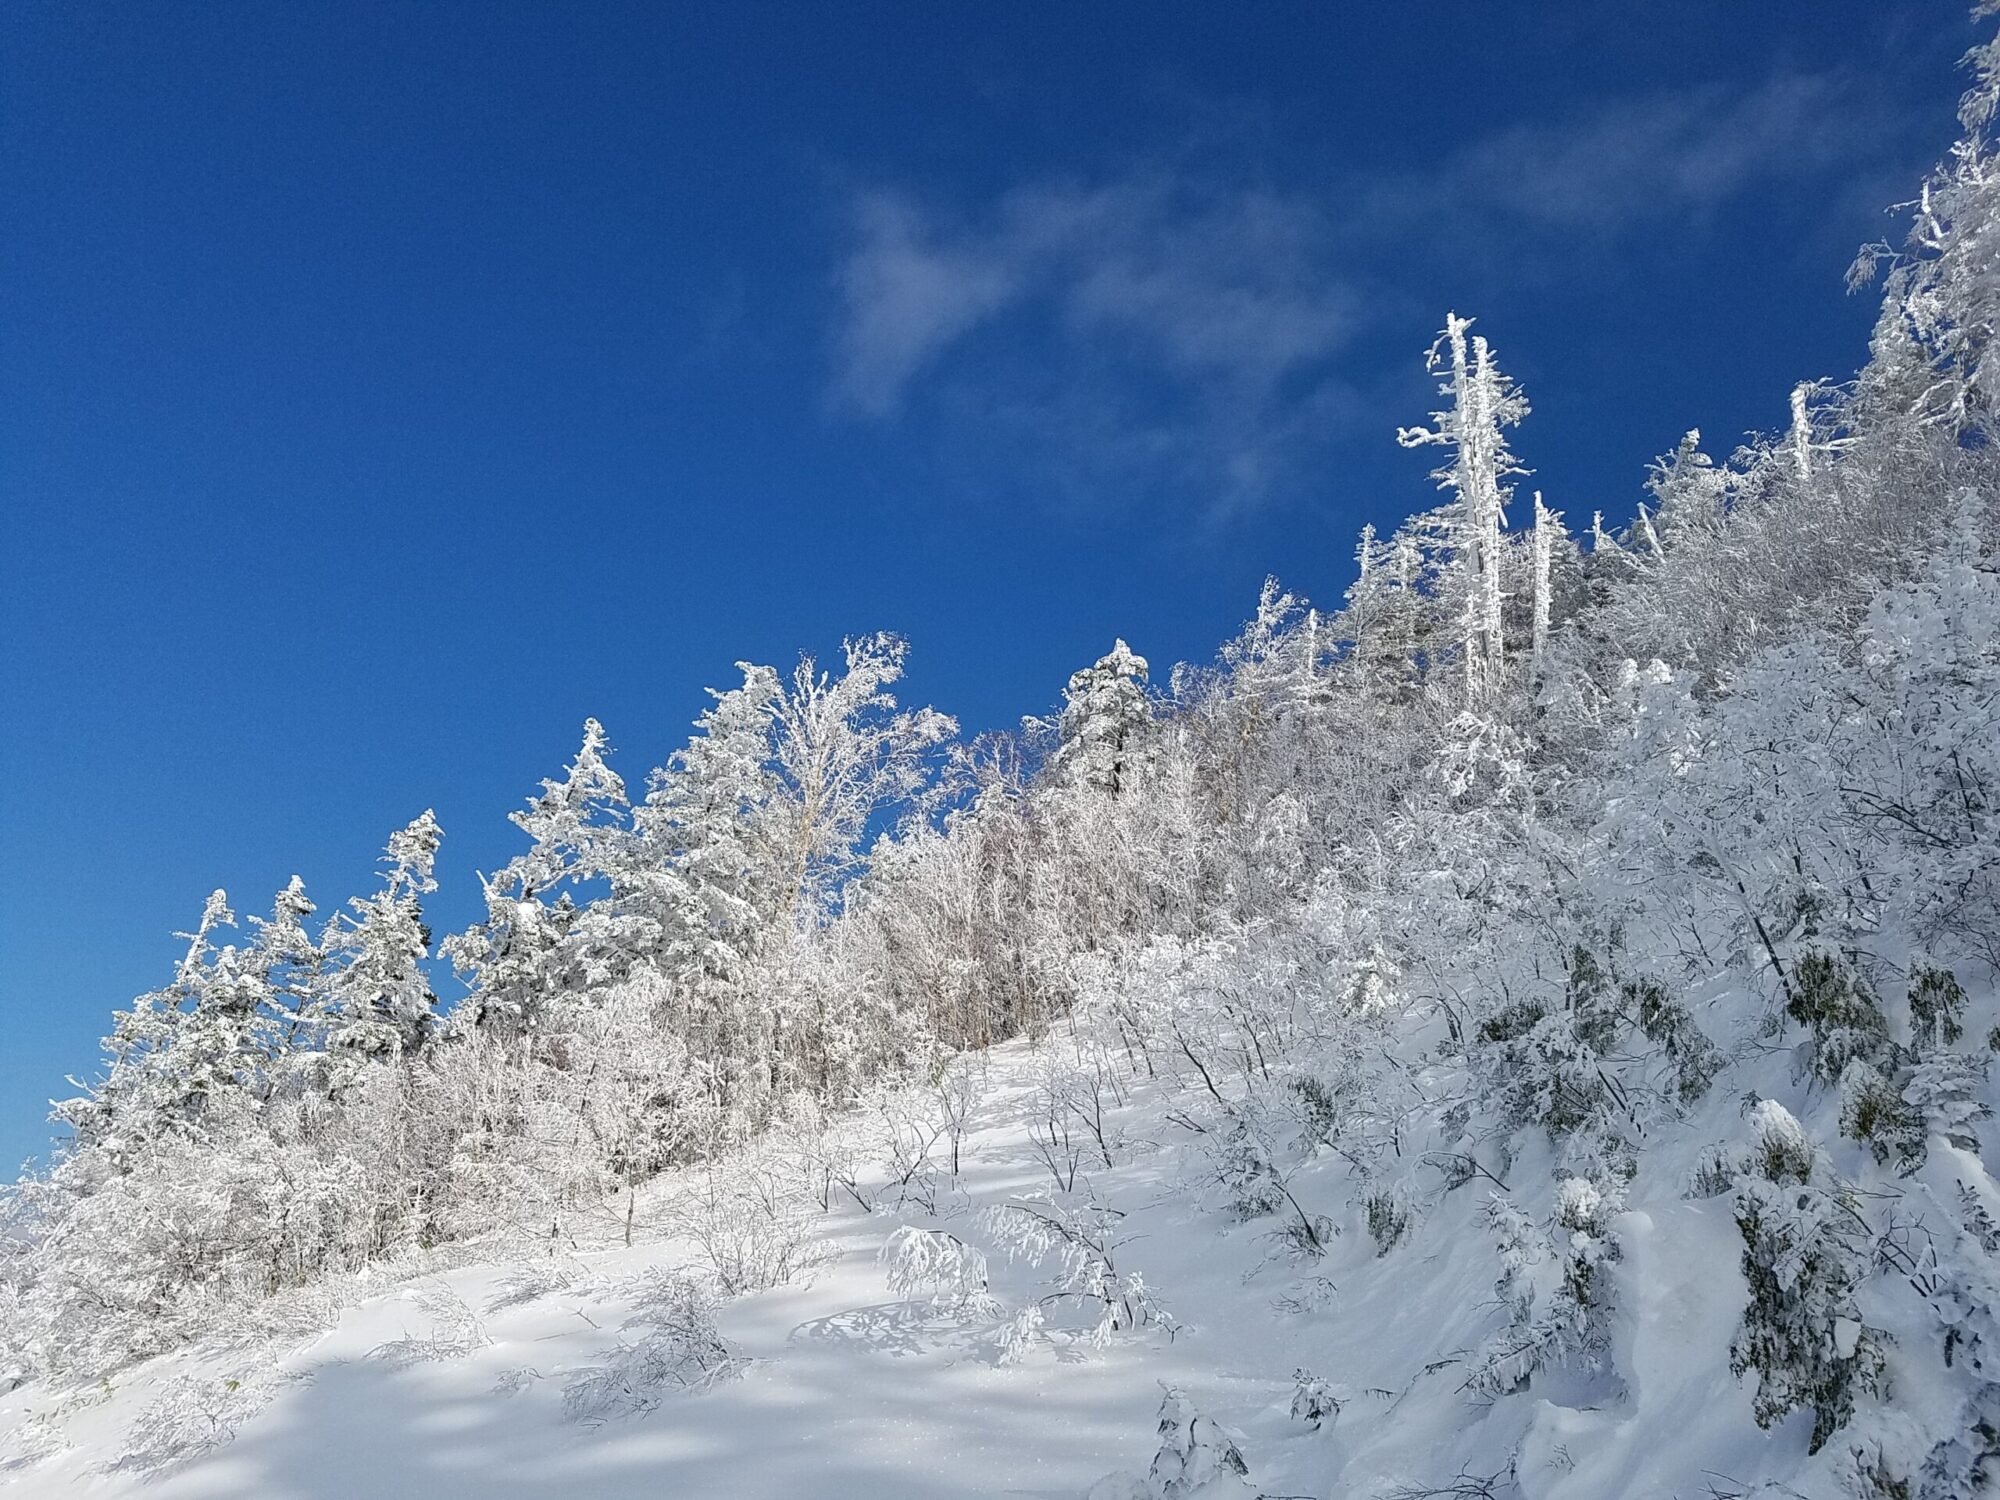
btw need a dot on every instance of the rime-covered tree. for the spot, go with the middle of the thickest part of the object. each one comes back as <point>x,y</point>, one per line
<point>169,1054</point>
<point>1548,524</point>
<point>1483,403</point>
<point>536,942</point>
<point>1106,721</point>
<point>704,832</point>
<point>1690,494</point>
<point>376,998</point>
<point>842,753</point>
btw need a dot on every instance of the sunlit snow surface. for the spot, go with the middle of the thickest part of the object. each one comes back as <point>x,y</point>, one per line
<point>848,1392</point>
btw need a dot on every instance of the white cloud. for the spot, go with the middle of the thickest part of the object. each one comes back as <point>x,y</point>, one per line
<point>906,298</point>
<point>1635,160</point>
<point>1210,301</point>
<point>1174,330</point>
<point>1217,284</point>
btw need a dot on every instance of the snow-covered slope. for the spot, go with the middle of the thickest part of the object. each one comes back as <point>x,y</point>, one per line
<point>1528,1034</point>
<point>852,1382</point>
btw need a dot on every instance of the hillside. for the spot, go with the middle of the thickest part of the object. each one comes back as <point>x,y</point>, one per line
<point>1525,1032</point>
<point>598,1368</point>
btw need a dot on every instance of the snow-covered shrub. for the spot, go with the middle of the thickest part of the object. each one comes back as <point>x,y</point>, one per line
<point>959,1084</point>
<point>1545,1066</point>
<point>668,1345</point>
<point>910,1125</point>
<point>1512,1357</point>
<point>196,1414</point>
<point>1321,1117</point>
<point>43,1435</point>
<point>1080,1239</point>
<point>939,1267</point>
<point>1245,1172</point>
<point>755,1223</point>
<point>1020,1335</point>
<point>1715,1172</point>
<point>1874,1112</point>
<point>1866,1469</point>
<point>1073,1096</point>
<point>1967,1462</point>
<point>1314,1401</point>
<point>455,1330</point>
<point>1780,1149</point>
<point>827,1152</point>
<point>1895,1097</point>
<point>1197,1460</point>
<point>1937,1006</point>
<point>1612,1050</point>
<point>1956,1270</point>
<point>1388,1218</point>
<point>1347,1093</point>
<point>1802,1333</point>
<point>1583,1212</point>
<point>530,1283</point>
<point>1945,1092</point>
<point>1840,1010</point>
<point>1244,1162</point>
<point>1666,1022</point>
<point>1552,1287</point>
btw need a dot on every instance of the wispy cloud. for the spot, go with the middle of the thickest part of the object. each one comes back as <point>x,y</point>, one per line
<point>1174,330</point>
<point>1216,304</point>
<point>907,296</point>
<point>1636,160</point>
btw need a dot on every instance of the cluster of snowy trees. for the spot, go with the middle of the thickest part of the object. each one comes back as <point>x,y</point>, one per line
<point>1539,851</point>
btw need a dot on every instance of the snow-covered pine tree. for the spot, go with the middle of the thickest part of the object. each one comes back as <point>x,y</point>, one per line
<point>376,1001</point>
<point>1690,493</point>
<point>1196,1460</point>
<point>173,1051</point>
<point>530,949</point>
<point>1802,1333</point>
<point>704,877</point>
<point>1106,720</point>
<point>703,827</point>
<point>218,1051</point>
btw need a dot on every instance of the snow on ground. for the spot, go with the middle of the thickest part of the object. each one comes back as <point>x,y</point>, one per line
<point>848,1391</point>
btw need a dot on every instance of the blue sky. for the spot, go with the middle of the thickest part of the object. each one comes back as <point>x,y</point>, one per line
<point>384,389</point>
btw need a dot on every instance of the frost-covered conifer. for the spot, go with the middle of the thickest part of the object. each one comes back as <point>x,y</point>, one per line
<point>1106,721</point>
<point>703,827</point>
<point>1802,1333</point>
<point>1690,494</point>
<point>1554,1288</point>
<point>376,1001</point>
<point>290,967</point>
<point>169,1055</point>
<point>536,945</point>
<point>1197,1460</point>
